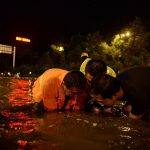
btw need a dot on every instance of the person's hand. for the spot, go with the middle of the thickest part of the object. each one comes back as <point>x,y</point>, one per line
<point>135,117</point>
<point>108,110</point>
<point>75,108</point>
<point>127,108</point>
<point>96,110</point>
<point>38,108</point>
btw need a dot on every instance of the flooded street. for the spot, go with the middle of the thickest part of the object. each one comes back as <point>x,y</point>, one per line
<point>20,129</point>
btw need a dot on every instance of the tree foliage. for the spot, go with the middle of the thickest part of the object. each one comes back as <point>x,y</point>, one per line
<point>128,48</point>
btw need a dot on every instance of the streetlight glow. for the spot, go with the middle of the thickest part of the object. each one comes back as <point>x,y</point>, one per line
<point>128,34</point>
<point>61,49</point>
<point>122,35</point>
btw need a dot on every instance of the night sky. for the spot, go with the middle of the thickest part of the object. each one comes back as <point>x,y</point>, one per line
<point>51,20</point>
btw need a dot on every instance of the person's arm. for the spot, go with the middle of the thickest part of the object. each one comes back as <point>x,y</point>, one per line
<point>46,92</point>
<point>36,91</point>
<point>50,92</point>
<point>108,110</point>
<point>135,117</point>
<point>137,111</point>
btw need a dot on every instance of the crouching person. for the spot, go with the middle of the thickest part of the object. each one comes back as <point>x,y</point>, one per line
<point>58,90</point>
<point>128,86</point>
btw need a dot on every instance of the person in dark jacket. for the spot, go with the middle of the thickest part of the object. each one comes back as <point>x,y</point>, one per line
<point>132,86</point>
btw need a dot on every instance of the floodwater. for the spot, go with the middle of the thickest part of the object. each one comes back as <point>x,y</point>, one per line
<point>22,130</point>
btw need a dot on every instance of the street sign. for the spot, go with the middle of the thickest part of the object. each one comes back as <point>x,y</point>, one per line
<point>6,49</point>
<point>23,39</point>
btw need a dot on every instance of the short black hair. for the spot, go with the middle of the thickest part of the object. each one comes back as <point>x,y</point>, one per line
<point>105,85</point>
<point>76,79</point>
<point>96,67</point>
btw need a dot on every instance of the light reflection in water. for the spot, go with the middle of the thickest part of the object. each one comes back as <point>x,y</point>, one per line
<point>19,121</point>
<point>21,130</point>
<point>20,92</point>
<point>16,124</point>
<point>126,136</point>
<point>126,129</point>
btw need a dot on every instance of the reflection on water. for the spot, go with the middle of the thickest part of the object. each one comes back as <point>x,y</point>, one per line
<point>124,128</point>
<point>17,127</point>
<point>20,129</point>
<point>20,92</point>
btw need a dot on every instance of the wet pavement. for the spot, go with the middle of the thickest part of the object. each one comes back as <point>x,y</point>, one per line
<point>20,129</point>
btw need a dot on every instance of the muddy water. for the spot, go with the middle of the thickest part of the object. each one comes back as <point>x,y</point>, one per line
<point>20,129</point>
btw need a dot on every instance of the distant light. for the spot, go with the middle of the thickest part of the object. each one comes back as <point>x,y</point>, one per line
<point>122,35</point>
<point>30,72</point>
<point>128,34</point>
<point>9,73</point>
<point>23,39</point>
<point>61,49</point>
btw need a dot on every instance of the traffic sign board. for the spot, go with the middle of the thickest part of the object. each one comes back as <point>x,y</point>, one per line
<point>6,49</point>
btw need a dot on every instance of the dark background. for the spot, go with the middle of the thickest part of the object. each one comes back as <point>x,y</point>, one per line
<point>46,22</point>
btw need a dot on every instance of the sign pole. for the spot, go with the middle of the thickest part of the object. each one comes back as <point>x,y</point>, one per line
<point>14,56</point>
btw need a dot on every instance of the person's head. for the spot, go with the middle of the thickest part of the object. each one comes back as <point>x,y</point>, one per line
<point>74,83</point>
<point>95,67</point>
<point>84,55</point>
<point>106,89</point>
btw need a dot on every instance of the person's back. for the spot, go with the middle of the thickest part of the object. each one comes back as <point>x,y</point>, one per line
<point>111,72</point>
<point>136,78</point>
<point>135,82</point>
<point>83,65</point>
<point>47,86</point>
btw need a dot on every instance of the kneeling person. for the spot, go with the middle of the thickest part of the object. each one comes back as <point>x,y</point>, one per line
<point>60,89</point>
